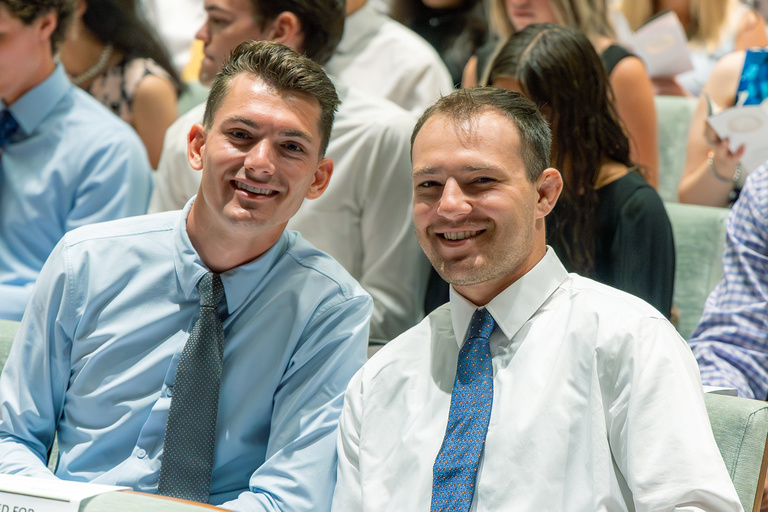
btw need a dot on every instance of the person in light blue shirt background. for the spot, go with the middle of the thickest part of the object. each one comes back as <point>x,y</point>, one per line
<point>96,354</point>
<point>69,162</point>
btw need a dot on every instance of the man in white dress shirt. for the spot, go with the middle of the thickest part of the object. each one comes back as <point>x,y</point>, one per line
<point>596,401</point>
<point>364,218</point>
<point>383,57</point>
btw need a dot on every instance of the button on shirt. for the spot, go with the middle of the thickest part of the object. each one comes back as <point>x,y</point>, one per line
<point>71,163</point>
<point>730,341</point>
<point>364,217</point>
<point>97,355</point>
<point>597,406</point>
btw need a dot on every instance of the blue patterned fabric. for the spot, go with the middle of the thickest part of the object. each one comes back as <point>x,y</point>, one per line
<point>730,341</point>
<point>754,76</point>
<point>8,127</point>
<point>456,465</point>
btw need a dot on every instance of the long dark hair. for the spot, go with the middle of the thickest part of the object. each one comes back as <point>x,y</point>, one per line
<point>558,68</point>
<point>119,23</point>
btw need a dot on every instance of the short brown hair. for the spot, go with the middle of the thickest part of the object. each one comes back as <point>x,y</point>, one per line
<point>29,10</point>
<point>467,104</point>
<point>322,22</point>
<point>279,67</point>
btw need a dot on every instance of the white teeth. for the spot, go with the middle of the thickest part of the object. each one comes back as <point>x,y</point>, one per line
<point>254,190</point>
<point>460,235</point>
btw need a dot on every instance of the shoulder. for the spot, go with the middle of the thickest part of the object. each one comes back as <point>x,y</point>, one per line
<point>366,119</point>
<point>88,116</point>
<point>129,230</point>
<point>318,269</point>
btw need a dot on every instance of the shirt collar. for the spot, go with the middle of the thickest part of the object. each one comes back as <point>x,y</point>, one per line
<point>36,104</point>
<point>359,27</point>
<point>512,308</point>
<point>239,282</point>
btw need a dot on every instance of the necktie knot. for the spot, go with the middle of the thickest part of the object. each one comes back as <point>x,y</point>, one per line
<point>211,290</point>
<point>481,325</point>
<point>8,126</point>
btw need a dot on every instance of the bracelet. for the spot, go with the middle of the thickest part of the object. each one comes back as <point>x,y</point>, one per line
<point>733,179</point>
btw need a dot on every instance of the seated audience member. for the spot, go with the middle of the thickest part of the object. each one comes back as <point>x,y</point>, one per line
<point>713,174</point>
<point>364,218</point>
<point>730,340</point>
<point>382,57</point>
<point>216,321</point>
<point>455,28</point>
<point>567,394</point>
<point>112,53</point>
<point>714,28</point>
<point>609,224</point>
<point>65,160</point>
<point>633,92</point>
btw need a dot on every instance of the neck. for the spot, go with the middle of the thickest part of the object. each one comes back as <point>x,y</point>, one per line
<point>354,6</point>
<point>40,75</point>
<point>223,248</point>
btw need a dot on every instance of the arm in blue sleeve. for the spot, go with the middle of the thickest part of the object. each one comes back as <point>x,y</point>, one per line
<point>34,379</point>
<point>730,341</point>
<point>116,183</point>
<point>300,471</point>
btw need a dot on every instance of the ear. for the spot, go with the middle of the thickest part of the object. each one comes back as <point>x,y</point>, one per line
<point>195,143</point>
<point>80,7</point>
<point>549,185</point>
<point>286,29</point>
<point>47,24</point>
<point>321,179</point>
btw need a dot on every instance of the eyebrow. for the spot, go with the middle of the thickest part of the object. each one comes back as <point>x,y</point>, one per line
<point>285,133</point>
<point>430,171</point>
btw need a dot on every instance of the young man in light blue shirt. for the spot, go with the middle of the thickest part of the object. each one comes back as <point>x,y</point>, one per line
<point>65,160</point>
<point>96,357</point>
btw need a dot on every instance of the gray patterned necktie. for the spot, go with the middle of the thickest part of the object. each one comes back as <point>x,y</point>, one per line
<point>190,434</point>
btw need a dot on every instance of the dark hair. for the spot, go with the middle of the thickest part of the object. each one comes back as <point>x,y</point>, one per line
<point>322,22</point>
<point>279,67</point>
<point>558,68</point>
<point>467,104</point>
<point>119,23</point>
<point>30,10</point>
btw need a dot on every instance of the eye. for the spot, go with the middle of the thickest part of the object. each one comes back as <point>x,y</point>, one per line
<point>239,134</point>
<point>484,179</point>
<point>428,184</point>
<point>290,146</point>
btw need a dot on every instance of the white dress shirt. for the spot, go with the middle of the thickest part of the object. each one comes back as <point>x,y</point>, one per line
<point>383,57</point>
<point>363,219</point>
<point>597,406</point>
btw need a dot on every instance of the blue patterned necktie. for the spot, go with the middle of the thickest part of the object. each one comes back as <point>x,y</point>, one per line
<point>8,127</point>
<point>455,469</point>
<point>190,434</point>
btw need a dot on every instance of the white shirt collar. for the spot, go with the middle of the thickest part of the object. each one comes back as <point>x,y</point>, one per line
<point>517,303</point>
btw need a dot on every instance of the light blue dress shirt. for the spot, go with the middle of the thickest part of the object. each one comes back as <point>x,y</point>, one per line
<point>72,162</point>
<point>97,351</point>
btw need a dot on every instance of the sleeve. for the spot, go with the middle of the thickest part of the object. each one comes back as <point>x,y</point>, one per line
<point>35,377</point>
<point>348,496</point>
<point>730,340</point>
<point>116,182</point>
<point>395,270</point>
<point>299,473</point>
<point>645,266</point>
<point>175,180</point>
<point>657,423</point>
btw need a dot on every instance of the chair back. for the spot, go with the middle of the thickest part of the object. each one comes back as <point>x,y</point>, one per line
<point>740,427</point>
<point>673,119</point>
<point>699,233</point>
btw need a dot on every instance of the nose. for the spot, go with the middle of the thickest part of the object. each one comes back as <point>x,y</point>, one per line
<point>259,159</point>
<point>453,203</point>
<point>202,33</point>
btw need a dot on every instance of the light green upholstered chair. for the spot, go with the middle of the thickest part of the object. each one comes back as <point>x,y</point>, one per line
<point>699,233</point>
<point>673,119</point>
<point>8,330</point>
<point>740,427</point>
